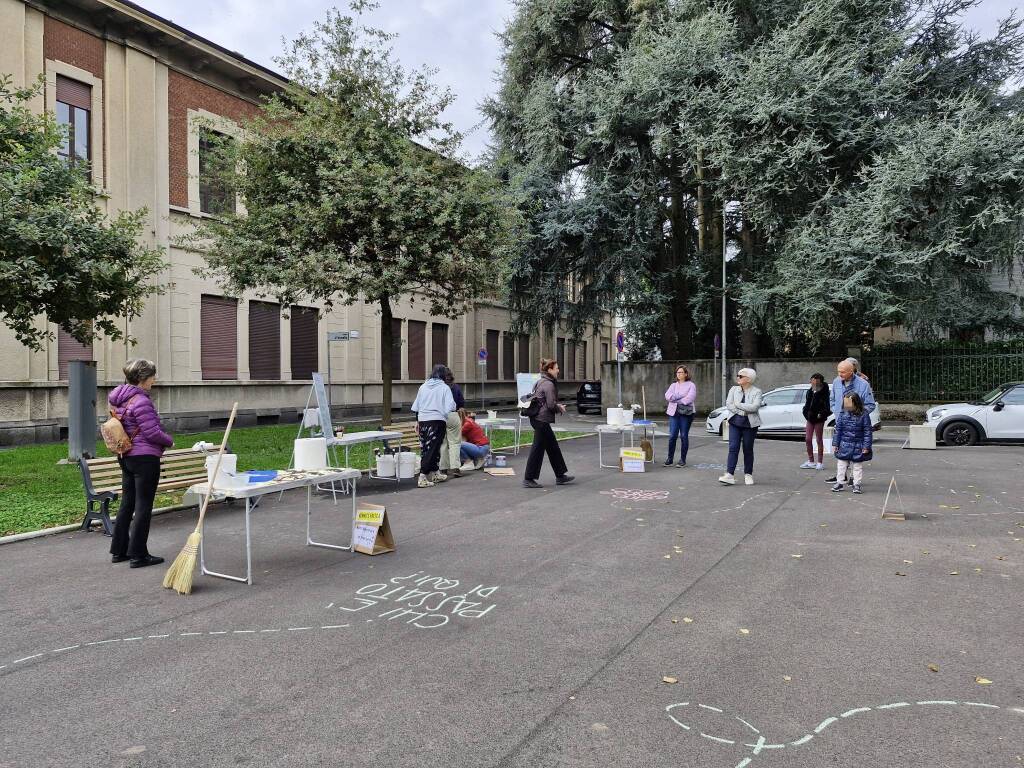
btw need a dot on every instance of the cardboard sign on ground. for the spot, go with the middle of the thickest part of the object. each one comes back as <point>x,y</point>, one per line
<point>631,460</point>
<point>897,512</point>
<point>371,533</point>
<point>500,471</point>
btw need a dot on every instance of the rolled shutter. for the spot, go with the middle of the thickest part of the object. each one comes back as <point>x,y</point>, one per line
<point>585,363</point>
<point>560,354</point>
<point>509,356</point>
<point>219,337</point>
<point>396,349</point>
<point>525,363</point>
<point>417,350</point>
<point>264,341</point>
<point>305,350</point>
<point>73,92</point>
<point>69,348</point>
<point>439,344</point>
<point>492,355</point>
<point>570,359</point>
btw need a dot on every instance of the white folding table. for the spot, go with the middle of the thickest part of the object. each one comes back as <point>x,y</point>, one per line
<point>612,429</point>
<point>359,438</point>
<point>285,480</point>
<point>491,424</point>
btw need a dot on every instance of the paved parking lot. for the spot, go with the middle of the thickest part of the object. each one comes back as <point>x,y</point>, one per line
<point>626,620</point>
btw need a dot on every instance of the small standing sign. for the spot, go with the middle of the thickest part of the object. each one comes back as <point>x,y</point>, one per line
<point>897,512</point>
<point>371,533</point>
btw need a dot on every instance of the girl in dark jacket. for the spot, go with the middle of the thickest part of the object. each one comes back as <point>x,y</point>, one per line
<point>546,393</point>
<point>816,413</point>
<point>140,467</point>
<point>852,441</point>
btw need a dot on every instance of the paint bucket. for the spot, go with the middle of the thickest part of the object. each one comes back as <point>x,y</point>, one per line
<point>408,464</point>
<point>226,473</point>
<point>500,461</point>
<point>626,418</point>
<point>311,453</point>
<point>614,416</point>
<point>385,466</point>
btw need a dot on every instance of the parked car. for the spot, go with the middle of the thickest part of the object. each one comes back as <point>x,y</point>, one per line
<point>782,413</point>
<point>999,415</point>
<point>588,397</point>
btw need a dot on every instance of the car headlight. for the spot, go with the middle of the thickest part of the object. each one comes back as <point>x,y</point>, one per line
<point>716,413</point>
<point>938,414</point>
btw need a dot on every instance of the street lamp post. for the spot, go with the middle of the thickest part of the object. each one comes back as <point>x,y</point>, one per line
<point>725,370</point>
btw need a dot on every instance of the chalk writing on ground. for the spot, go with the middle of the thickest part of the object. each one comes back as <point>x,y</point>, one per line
<point>422,600</point>
<point>635,494</point>
<point>688,716</point>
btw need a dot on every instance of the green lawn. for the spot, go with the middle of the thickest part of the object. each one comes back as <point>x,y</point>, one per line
<point>37,492</point>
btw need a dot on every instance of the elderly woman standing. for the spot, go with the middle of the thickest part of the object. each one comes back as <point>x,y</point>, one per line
<point>140,466</point>
<point>743,403</point>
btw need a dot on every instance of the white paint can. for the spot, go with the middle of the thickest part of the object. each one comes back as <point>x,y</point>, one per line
<point>408,464</point>
<point>385,466</point>
<point>226,473</point>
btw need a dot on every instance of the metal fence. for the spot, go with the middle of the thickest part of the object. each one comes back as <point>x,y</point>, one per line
<point>941,372</point>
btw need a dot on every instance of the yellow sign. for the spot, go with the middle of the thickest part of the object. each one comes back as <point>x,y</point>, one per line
<point>371,514</point>
<point>632,453</point>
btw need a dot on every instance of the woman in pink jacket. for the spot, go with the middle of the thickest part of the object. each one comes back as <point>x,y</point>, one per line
<point>140,467</point>
<point>681,396</point>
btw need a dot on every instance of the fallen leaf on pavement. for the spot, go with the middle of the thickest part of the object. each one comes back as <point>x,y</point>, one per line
<point>687,620</point>
<point>675,621</point>
<point>933,667</point>
<point>925,552</point>
<point>744,631</point>
<point>973,546</point>
<point>908,562</point>
<point>977,570</point>
<point>954,573</point>
<point>670,680</point>
<point>900,573</point>
<point>668,557</point>
<point>982,681</point>
<point>787,678</point>
<point>796,557</point>
<point>1000,557</point>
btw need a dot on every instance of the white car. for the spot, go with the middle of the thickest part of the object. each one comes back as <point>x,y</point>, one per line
<point>999,415</point>
<point>782,413</point>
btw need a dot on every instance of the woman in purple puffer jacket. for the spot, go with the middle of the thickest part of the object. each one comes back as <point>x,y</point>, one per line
<point>140,467</point>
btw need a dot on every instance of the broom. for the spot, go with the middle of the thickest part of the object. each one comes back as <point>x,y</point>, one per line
<point>179,575</point>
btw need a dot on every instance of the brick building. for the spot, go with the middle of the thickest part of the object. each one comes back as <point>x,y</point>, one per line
<point>133,89</point>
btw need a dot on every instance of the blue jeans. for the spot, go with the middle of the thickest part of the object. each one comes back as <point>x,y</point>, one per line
<point>744,435</point>
<point>679,427</point>
<point>471,451</point>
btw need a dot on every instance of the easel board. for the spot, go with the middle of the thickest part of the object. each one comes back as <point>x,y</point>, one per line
<point>323,405</point>
<point>525,382</point>
<point>371,534</point>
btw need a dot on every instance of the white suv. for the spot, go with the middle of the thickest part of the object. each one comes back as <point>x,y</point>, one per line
<point>999,415</point>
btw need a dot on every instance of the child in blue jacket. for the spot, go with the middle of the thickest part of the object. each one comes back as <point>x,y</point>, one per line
<point>851,442</point>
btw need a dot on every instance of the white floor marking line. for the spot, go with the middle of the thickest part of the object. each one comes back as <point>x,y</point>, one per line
<point>68,648</point>
<point>741,504</point>
<point>762,744</point>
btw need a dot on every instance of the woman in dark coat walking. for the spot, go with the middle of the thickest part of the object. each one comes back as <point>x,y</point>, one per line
<point>817,409</point>
<point>545,393</point>
<point>140,466</point>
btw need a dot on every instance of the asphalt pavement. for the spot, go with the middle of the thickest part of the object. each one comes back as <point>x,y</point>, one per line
<point>654,619</point>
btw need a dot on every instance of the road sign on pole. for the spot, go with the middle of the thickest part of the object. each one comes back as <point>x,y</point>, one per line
<point>620,341</point>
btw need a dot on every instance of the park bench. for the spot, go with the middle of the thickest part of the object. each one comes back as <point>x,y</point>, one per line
<point>409,438</point>
<point>179,469</point>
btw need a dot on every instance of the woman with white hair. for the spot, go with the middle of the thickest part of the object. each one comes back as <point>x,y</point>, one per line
<point>743,403</point>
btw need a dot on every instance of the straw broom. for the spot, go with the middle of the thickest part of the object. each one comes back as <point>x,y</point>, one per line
<point>179,575</point>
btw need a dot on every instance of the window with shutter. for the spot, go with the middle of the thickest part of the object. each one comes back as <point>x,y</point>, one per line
<point>69,348</point>
<point>604,351</point>
<point>492,355</point>
<point>305,349</point>
<point>508,359</point>
<point>396,349</point>
<point>585,364</point>
<point>264,341</point>
<point>439,344</point>
<point>525,361</point>
<point>215,197</point>
<point>570,359</point>
<point>560,354</point>
<point>417,350</point>
<point>218,320</point>
<point>74,110</point>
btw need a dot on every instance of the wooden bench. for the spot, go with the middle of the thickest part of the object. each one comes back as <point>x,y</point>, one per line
<point>179,469</point>
<point>409,438</point>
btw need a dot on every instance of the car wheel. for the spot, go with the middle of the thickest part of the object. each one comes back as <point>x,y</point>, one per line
<point>960,433</point>
<point>721,428</point>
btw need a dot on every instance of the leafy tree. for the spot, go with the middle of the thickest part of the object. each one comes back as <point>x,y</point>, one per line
<point>351,190</point>
<point>59,254</point>
<point>625,127</point>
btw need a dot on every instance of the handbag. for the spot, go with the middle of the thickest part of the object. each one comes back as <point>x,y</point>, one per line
<point>117,440</point>
<point>684,410</point>
<point>532,408</point>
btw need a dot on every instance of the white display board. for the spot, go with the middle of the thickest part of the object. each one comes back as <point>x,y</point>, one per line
<point>321,402</point>
<point>525,382</point>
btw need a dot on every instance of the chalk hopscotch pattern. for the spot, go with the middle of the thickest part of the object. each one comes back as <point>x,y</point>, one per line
<point>760,742</point>
<point>635,494</point>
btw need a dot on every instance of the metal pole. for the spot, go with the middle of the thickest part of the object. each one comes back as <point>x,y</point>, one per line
<point>725,370</point>
<point>330,379</point>
<point>618,358</point>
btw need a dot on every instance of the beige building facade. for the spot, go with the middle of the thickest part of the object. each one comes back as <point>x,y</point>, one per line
<point>134,90</point>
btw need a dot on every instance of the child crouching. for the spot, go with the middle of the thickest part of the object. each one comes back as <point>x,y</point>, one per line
<point>851,442</point>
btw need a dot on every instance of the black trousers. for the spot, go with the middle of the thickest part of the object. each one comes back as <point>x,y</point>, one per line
<point>431,438</point>
<point>544,441</point>
<point>139,478</point>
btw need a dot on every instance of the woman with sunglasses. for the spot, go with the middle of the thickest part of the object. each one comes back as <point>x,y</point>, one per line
<point>743,403</point>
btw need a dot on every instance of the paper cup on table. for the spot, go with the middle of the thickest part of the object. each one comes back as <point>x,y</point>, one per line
<point>311,453</point>
<point>492,414</point>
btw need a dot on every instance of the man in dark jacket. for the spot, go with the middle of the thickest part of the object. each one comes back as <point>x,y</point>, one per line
<point>546,395</point>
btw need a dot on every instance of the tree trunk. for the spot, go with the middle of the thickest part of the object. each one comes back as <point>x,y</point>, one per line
<point>748,244</point>
<point>681,317</point>
<point>387,342</point>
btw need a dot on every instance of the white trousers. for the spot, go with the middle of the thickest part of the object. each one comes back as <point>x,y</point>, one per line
<point>858,471</point>
<point>450,451</point>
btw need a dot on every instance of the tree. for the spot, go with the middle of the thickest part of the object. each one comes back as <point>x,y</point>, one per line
<point>351,190</point>
<point>59,255</point>
<point>626,127</point>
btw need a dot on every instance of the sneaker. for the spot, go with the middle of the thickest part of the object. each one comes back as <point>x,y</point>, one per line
<point>439,477</point>
<point>856,488</point>
<point>832,479</point>
<point>425,482</point>
<point>469,466</point>
<point>531,484</point>
<point>564,480</point>
<point>479,463</point>
<point>819,466</point>
<point>837,488</point>
<point>727,479</point>
<point>457,472</point>
<point>808,465</point>
<point>748,479</point>
<point>668,463</point>
<point>681,464</point>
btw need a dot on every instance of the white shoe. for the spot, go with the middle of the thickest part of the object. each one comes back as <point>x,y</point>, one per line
<point>748,479</point>
<point>424,482</point>
<point>439,477</point>
<point>480,463</point>
<point>819,466</point>
<point>469,466</point>
<point>808,465</point>
<point>727,479</point>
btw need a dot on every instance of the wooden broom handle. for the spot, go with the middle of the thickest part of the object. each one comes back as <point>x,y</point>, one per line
<point>216,466</point>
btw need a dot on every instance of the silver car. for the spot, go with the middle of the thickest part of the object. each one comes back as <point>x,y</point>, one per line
<point>999,415</point>
<point>782,413</point>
